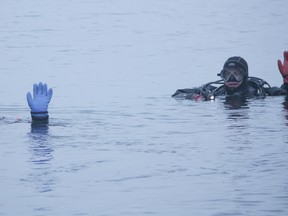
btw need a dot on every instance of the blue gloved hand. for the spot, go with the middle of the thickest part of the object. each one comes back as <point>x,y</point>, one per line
<point>40,101</point>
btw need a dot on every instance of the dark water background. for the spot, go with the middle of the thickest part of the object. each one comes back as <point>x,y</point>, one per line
<point>117,143</point>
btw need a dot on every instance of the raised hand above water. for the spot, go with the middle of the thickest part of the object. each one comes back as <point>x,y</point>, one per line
<point>40,101</point>
<point>283,68</point>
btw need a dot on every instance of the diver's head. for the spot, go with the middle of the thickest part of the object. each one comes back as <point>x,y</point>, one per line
<point>235,72</point>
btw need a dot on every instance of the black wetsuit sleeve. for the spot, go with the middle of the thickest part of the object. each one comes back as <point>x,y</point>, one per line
<point>189,93</point>
<point>39,116</point>
<point>275,91</point>
<point>183,92</point>
<point>285,86</point>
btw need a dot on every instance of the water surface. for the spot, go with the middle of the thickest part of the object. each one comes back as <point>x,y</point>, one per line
<point>117,143</point>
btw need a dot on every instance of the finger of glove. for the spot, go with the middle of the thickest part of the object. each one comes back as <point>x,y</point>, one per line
<point>281,68</point>
<point>29,99</point>
<point>45,89</point>
<point>40,88</point>
<point>49,94</point>
<point>35,90</point>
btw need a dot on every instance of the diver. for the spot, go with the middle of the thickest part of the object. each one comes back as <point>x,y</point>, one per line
<point>236,83</point>
<point>39,102</point>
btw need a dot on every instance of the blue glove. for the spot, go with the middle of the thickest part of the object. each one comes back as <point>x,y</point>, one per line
<point>40,101</point>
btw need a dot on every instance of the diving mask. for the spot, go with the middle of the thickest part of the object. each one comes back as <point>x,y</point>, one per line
<point>226,75</point>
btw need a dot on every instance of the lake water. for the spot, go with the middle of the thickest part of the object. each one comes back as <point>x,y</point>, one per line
<point>117,143</point>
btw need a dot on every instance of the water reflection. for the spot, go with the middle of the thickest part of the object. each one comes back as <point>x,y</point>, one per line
<point>285,106</point>
<point>238,127</point>
<point>236,101</point>
<point>41,156</point>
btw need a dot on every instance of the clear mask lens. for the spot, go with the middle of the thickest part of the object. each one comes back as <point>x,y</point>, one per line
<point>226,75</point>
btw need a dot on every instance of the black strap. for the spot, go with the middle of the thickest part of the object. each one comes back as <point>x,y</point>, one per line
<point>33,113</point>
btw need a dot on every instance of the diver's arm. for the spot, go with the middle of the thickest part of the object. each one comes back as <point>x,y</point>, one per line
<point>181,93</point>
<point>197,94</point>
<point>39,102</point>
<point>285,86</point>
<point>188,93</point>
